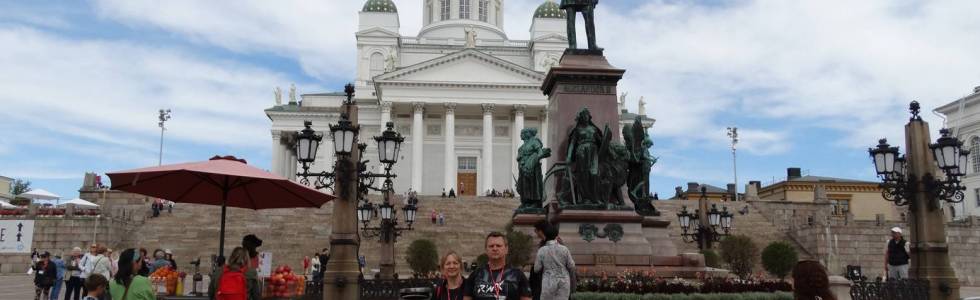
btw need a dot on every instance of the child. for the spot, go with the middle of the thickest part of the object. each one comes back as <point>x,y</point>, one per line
<point>95,284</point>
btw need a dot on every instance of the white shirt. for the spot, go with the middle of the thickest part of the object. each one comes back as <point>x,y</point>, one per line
<point>86,265</point>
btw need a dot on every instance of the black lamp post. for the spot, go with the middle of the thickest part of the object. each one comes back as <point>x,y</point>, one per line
<point>704,223</point>
<point>909,180</point>
<point>351,181</point>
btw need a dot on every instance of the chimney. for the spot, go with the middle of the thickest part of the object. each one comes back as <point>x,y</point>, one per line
<point>693,188</point>
<point>731,189</point>
<point>757,184</point>
<point>792,173</point>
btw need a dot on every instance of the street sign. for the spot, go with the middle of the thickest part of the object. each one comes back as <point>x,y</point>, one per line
<point>16,236</point>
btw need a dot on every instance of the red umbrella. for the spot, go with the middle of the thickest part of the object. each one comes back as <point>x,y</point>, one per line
<point>225,181</point>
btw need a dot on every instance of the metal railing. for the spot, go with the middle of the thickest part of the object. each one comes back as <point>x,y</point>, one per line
<point>377,289</point>
<point>902,289</point>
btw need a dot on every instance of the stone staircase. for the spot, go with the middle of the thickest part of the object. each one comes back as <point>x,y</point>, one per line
<point>754,224</point>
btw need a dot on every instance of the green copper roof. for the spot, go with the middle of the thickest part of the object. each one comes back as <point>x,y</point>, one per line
<point>549,9</point>
<point>379,6</point>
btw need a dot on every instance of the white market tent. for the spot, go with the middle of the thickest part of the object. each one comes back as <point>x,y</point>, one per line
<point>39,194</point>
<point>4,204</point>
<point>80,203</point>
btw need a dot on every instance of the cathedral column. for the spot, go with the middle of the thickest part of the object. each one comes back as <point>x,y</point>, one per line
<point>417,134</point>
<point>276,153</point>
<point>516,141</point>
<point>487,173</point>
<point>543,135</point>
<point>450,152</point>
<point>385,114</point>
<point>291,160</point>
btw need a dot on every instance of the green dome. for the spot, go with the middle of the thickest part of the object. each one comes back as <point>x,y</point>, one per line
<point>549,9</point>
<point>379,6</point>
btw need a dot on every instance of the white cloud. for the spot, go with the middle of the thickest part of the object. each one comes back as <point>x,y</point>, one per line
<point>106,93</point>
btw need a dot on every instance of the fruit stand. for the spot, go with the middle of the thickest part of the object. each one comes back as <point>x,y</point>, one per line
<point>283,284</point>
<point>167,282</point>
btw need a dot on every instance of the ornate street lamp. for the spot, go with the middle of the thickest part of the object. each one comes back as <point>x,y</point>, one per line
<point>913,180</point>
<point>704,226</point>
<point>344,134</point>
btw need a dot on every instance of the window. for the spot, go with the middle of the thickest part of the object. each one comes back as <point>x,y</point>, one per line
<point>443,10</point>
<point>429,12</point>
<point>976,192</point>
<point>499,17</point>
<point>975,153</point>
<point>483,10</point>
<point>467,163</point>
<point>377,64</point>
<point>841,207</point>
<point>464,9</point>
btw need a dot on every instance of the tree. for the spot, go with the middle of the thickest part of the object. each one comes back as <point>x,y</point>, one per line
<point>20,186</point>
<point>741,253</point>
<point>711,258</point>
<point>779,258</point>
<point>519,246</point>
<point>422,256</point>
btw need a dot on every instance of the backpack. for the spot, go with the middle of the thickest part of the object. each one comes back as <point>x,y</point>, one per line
<point>232,286</point>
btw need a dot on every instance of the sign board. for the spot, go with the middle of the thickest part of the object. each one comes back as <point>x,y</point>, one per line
<point>265,264</point>
<point>16,236</point>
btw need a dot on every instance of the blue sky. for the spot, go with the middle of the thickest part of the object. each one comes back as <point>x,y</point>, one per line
<point>810,84</point>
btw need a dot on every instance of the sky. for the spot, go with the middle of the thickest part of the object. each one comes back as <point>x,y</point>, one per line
<point>809,84</point>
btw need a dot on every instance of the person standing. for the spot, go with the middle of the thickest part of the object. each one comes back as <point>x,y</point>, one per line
<point>442,219</point>
<point>450,287</point>
<point>45,274</point>
<point>495,281</point>
<point>251,243</point>
<point>145,260</point>
<point>324,257</point>
<point>128,284</point>
<point>101,264</point>
<point>59,280</point>
<point>96,286</point>
<point>169,256</point>
<point>236,280</point>
<point>433,215</point>
<point>897,256</point>
<point>73,264</point>
<point>556,266</point>
<point>87,263</point>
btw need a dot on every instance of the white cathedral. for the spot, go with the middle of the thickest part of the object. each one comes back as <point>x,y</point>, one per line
<point>460,92</point>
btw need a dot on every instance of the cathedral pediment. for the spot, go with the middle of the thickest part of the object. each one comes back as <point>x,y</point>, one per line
<point>464,67</point>
<point>377,32</point>
<point>552,37</point>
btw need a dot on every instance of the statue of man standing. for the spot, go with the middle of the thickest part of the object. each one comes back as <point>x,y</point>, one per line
<point>587,7</point>
<point>583,157</point>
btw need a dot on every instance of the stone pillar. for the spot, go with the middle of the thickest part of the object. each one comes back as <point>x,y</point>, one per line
<point>516,140</point>
<point>449,181</point>
<point>277,153</point>
<point>385,114</point>
<point>487,173</point>
<point>291,160</point>
<point>417,140</point>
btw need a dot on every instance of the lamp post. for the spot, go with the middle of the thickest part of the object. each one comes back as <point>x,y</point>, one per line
<point>704,223</point>
<point>350,181</point>
<point>914,180</point>
<point>164,117</point>
<point>733,134</point>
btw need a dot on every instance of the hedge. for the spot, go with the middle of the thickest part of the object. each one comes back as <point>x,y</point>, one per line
<point>626,296</point>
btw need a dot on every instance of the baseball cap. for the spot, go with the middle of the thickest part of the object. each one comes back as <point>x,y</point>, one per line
<point>167,251</point>
<point>896,230</point>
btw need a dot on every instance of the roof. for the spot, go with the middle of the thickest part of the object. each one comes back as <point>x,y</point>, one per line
<point>379,6</point>
<point>549,9</point>
<point>39,194</point>
<point>810,178</point>
<point>708,189</point>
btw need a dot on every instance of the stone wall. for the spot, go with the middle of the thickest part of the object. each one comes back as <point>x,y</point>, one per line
<point>862,243</point>
<point>58,235</point>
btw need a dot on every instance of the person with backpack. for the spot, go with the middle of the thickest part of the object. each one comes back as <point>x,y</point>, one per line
<point>236,280</point>
<point>128,284</point>
<point>45,274</point>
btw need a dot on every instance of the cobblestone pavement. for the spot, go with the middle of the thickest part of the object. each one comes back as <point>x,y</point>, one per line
<point>21,287</point>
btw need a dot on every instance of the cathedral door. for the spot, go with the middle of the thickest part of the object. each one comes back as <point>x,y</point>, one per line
<point>466,176</point>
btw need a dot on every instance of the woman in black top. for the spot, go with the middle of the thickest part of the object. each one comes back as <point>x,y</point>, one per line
<point>450,287</point>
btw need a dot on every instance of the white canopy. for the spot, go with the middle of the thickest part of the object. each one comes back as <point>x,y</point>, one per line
<point>39,194</point>
<point>79,202</point>
<point>4,204</point>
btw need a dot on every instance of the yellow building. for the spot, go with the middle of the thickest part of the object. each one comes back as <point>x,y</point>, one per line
<point>861,199</point>
<point>6,185</point>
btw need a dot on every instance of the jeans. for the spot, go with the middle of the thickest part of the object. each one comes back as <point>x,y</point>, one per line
<point>898,272</point>
<point>56,289</point>
<point>73,288</point>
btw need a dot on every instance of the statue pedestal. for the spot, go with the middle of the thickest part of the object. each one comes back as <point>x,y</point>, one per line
<point>644,242</point>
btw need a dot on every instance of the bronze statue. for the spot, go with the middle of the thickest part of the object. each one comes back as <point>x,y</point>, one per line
<point>583,158</point>
<point>530,183</point>
<point>587,7</point>
<point>638,143</point>
<point>613,170</point>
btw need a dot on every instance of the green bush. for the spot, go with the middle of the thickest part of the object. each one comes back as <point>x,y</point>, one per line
<point>741,253</point>
<point>520,247</point>
<point>422,256</point>
<point>711,258</point>
<point>482,260</point>
<point>739,296</point>
<point>779,258</point>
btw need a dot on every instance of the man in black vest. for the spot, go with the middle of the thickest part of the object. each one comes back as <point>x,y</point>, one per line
<point>897,256</point>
